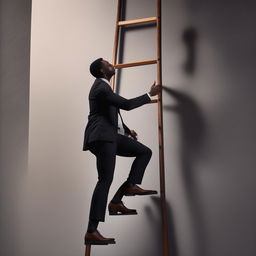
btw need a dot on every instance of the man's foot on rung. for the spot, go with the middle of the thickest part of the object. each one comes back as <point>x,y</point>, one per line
<point>97,239</point>
<point>120,209</point>
<point>136,190</point>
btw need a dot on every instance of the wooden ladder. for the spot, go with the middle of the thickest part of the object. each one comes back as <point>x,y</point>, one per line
<point>158,62</point>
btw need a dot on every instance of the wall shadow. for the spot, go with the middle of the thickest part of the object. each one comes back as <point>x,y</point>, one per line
<point>189,38</point>
<point>193,132</point>
<point>15,31</point>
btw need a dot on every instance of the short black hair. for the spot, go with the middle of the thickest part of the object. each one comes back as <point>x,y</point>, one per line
<point>95,68</point>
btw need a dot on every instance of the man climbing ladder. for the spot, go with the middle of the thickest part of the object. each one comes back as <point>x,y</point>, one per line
<point>106,136</point>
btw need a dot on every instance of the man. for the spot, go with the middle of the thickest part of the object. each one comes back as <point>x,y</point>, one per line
<point>106,136</point>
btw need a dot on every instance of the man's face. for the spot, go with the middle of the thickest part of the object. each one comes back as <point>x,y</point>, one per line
<point>107,68</point>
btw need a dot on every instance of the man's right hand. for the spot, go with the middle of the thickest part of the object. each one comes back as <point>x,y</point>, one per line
<point>155,89</point>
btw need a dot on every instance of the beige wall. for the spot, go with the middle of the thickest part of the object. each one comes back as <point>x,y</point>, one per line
<point>209,128</point>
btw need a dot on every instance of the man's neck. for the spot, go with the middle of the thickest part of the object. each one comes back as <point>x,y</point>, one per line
<point>105,80</point>
<point>106,77</point>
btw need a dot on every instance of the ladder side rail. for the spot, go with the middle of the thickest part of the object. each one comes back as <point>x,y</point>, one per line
<point>88,250</point>
<point>165,233</point>
<point>115,49</point>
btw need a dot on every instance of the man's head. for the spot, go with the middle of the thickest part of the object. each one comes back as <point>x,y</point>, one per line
<point>101,68</point>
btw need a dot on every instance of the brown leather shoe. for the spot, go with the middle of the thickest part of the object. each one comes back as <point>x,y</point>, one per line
<point>136,190</point>
<point>120,209</point>
<point>97,238</point>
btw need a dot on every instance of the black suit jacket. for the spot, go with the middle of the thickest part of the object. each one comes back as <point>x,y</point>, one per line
<point>103,117</point>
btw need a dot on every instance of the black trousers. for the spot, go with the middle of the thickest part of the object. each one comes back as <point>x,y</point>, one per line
<point>105,153</point>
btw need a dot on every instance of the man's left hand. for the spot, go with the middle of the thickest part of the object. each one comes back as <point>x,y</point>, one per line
<point>134,135</point>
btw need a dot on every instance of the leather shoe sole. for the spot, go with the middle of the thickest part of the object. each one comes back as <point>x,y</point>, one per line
<point>122,213</point>
<point>96,242</point>
<point>151,192</point>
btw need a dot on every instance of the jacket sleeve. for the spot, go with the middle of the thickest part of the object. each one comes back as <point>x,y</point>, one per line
<point>106,94</point>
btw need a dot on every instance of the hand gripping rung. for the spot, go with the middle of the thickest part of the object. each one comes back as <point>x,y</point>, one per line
<point>133,64</point>
<point>153,101</point>
<point>137,21</point>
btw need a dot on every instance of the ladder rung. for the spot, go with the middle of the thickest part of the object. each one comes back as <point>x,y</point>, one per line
<point>138,21</point>
<point>153,101</point>
<point>133,64</point>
